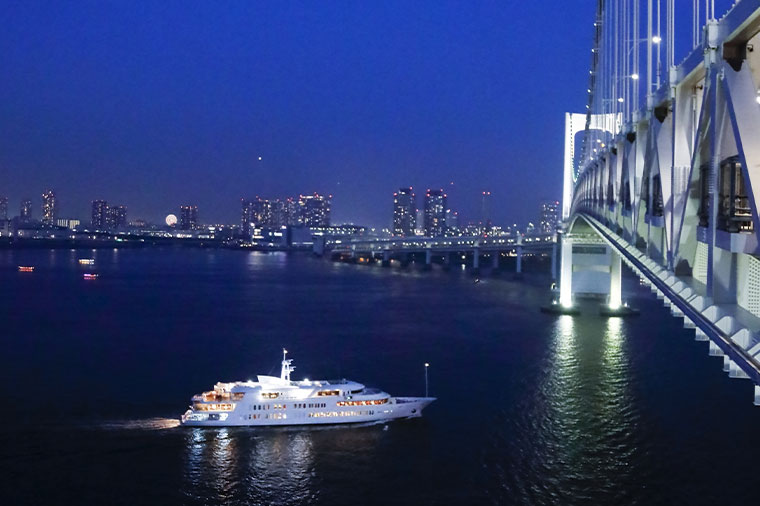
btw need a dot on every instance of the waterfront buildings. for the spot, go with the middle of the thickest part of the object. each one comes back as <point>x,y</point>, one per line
<point>49,208</point>
<point>188,217</point>
<point>404,212</point>
<point>549,217</point>
<point>315,210</point>
<point>25,213</point>
<point>435,213</point>
<point>99,215</point>
<point>117,217</point>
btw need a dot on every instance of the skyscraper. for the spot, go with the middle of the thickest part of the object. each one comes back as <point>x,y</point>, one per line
<point>292,212</point>
<point>3,208</point>
<point>435,213</point>
<point>99,219</point>
<point>485,213</point>
<point>246,218</point>
<point>117,216</point>
<point>188,217</point>
<point>315,210</point>
<point>404,212</point>
<point>49,208</point>
<point>26,210</point>
<point>549,216</point>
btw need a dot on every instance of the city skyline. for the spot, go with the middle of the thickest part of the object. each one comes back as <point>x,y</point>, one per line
<point>151,117</point>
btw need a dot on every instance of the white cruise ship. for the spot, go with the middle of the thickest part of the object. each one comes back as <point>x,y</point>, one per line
<point>280,401</point>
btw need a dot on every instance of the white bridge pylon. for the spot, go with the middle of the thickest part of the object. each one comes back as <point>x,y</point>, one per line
<point>673,188</point>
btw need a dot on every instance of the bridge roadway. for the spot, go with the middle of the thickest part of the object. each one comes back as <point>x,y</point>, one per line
<point>402,248</point>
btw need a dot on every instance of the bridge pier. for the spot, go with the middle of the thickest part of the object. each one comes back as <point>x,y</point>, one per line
<point>554,262</point>
<point>386,258</point>
<point>495,260</point>
<point>476,261</point>
<point>428,259</point>
<point>566,274</point>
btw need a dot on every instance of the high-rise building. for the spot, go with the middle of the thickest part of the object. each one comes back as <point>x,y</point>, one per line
<point>549,220</point>
<point>188,217</point>
<point>435,213</point>
<point>292,212</point>
<point>25,213</point>
<point>49,208</point>
<point>99,217</point>
<point>315,210</point>
<point>3,208</point>
<point>117,216</point>
<point>452,221</point>
<point>246,218</point>
<point>404,212</point>
<point>485,213</point>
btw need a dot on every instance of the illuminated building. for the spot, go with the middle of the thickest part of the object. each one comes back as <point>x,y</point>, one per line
<point>99,216</point>
<point>188,217</point>
<point>549,216</point>
<point>315,210</point>
<point>26,210</point>
<point>435,213</point>
<point>49,208</point>
<point>404,212</point>
<point>246,218</point>
<point>117,217</point>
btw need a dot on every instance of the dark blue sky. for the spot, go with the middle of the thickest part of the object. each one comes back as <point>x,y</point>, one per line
<point>157,104</point>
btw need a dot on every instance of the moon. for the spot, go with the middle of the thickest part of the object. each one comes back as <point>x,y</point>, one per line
<point>171,220</point>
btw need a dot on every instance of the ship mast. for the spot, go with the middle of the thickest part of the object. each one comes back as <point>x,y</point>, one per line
<point>286,367</point>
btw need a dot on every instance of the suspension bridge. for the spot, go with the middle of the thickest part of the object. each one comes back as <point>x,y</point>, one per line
<point>662,171</point>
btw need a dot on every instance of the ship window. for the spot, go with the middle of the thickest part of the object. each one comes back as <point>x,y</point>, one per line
<point>323,393</point>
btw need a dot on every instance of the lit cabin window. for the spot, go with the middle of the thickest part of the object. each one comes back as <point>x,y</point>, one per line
<point>270,395</point>
<point>323,393</point>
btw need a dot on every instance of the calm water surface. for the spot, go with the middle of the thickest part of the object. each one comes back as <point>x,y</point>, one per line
<point>531,409</point>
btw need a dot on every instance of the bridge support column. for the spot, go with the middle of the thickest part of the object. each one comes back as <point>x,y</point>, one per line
<point>428,259</point>
<point>554,262</point>
<point>616,289</point>
<point>386,258</point>
<point>495,260</point>
<point>566,274</point>
<point>476,260</point>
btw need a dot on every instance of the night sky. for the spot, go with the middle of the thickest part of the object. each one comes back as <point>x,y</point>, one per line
<point>157,104</point>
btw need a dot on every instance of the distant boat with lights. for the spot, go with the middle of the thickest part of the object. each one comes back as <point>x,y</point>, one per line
<point>279,400</point>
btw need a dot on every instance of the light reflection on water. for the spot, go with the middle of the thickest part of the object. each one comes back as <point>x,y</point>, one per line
<point>267,465</point>
<point>581,430</point>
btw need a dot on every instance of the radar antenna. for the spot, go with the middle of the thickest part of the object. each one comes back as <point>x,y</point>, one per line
<point>286,367</point>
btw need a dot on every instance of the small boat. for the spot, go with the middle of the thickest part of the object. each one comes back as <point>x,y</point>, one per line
<point>86,261</point>
<point>88,275</point>
<point>25,268</point>
<point>276,400</point>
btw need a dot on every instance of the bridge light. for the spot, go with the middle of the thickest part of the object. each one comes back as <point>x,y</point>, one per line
<point>656,39</point>
<point>621,100</point>
<point>635,77</point>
